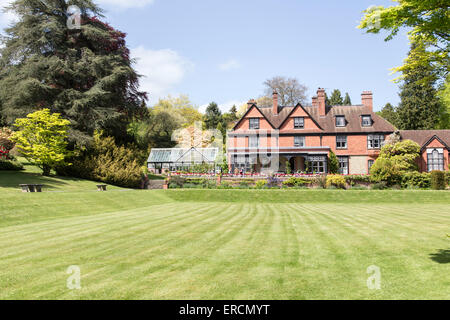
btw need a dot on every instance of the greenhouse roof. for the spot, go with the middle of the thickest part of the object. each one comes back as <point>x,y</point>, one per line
<point>183,155</point>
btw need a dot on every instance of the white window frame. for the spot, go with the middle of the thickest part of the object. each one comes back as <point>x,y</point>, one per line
<point>342,137</point>
<point>344,165</point>
<point>253,127</point>
<point>370,163</point>
<point>301,141</point>
<point>302,122</point>
<point>372,138</point>
<point>435,159</point>
<point>251,142</point>
<point>366,124</point>
<point>340,124</point>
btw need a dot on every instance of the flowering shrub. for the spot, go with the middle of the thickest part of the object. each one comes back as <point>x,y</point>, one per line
<point>6,144</point>
<point>261,184</point>
<point>336,181</point>
<point>273,182</point>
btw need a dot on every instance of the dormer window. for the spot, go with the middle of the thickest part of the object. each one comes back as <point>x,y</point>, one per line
<point>254,123</point>
<point>366,121</point>
<point>340,121</point>
<point>299,123</point>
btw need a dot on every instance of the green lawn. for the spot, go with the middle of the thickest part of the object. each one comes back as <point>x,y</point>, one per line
<point>221,244</point>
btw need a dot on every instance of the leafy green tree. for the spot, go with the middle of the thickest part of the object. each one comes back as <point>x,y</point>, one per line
<point>213,116</point>
<point>395,160</point>
<point>428,23</point>
<point>333,163</point>
<point>420,107</point>
<point>84,74</point>
<point>42,139</point>
<point>181,108</point>
<point>336,98</point>
<point>444,95</point>
<point>389,113</point>
<point>347,100</point>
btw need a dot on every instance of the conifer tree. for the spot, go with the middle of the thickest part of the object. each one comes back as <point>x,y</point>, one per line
<point>213,116</point>
<point>420,107</point>
<point>347,100</point>
<point>84,73</point>
<point>336,98</point>
<point>389,113</point>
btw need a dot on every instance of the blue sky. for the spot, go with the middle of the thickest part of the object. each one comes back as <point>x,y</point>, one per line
<point>223,51</point>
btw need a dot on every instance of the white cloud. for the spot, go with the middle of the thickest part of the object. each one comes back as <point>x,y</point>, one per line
<point>161,70</point>
<point>230,65</point>
<point>125,4</point>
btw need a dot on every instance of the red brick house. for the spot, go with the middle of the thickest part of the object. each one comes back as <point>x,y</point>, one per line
<point>266,138</point>
<point>435,148</point>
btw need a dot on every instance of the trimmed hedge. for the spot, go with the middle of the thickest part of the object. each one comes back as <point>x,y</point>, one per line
<point>358,179</point>
<point>297,182</point>
<point>438,180</point>
<point>416,180</point>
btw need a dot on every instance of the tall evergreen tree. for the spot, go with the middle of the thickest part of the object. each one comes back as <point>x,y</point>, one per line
<point>213,116</point>
<point>336,98</point>
<point>420,107</point>
<point>347,100</point>
<point>230,118</point>
<point>85,74</point>
<point>389,113</point>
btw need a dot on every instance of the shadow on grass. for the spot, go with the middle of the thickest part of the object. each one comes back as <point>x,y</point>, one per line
<point>442,256</point>
<point>12,179</point>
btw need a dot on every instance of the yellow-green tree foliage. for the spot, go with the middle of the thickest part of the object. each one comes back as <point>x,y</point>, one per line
<point>42,139</point>
<point>428,23</point>
<point>395,160</point>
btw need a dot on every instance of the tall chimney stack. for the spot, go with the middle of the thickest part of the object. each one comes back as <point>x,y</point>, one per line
<point>367,99</point>
<point>321,101</point>
<point>315,102</point>
<point>275,103</point>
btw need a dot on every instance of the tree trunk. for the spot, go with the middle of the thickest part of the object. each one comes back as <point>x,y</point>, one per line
<point>46,170</point>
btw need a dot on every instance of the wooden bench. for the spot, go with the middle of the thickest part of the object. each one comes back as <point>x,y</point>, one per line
<point>31,187</point>
<point>101,187</point>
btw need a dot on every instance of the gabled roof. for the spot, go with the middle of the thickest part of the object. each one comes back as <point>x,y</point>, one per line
<point>254,106</point>
<point>327,123</point>
<point>293,110</point>
<point>353,116</point>
<point>425,137</point>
